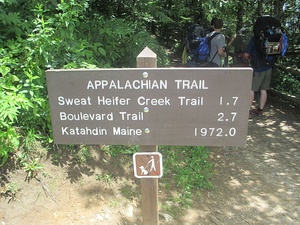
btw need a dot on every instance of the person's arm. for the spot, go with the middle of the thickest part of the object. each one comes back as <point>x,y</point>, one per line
<point>221,52</point>
<point>248,49</point>
<point>246,55</point>
<point>221,45</point>
<point>229,46</point>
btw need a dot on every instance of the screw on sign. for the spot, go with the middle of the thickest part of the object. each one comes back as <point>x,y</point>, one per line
<point>147,165</point>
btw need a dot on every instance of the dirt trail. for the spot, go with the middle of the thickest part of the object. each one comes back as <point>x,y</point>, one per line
<point>256,184</point>
<point>259,183</point>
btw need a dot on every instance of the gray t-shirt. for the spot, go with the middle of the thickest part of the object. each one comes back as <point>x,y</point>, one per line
<point>217,42</point>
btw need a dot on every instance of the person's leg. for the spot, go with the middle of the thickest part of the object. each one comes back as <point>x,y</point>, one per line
<point>262,99</point>
<point>251,98</point>
<point>263,92</point>
<point>256,82</point>
<point>251,102</point>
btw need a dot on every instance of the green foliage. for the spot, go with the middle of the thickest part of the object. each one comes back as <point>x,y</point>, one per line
<point>60,35</point>
<point>9,140</point>
<point>190,165</point>
<point>10,190</point>
<point>13,101</point>
<point>32,168</point>
<point>115,150</point>
<point>128,191</point>
<point>188,168</point>
<point>106,178</point>
<point>83,154</point>
<point>285,82</point>
<point>30,153</point>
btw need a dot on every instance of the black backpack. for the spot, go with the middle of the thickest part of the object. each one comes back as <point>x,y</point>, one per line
<point>269,41</point>
<point>268,38</point>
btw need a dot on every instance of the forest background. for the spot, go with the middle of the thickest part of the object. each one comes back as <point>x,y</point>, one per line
<point>38,35</point>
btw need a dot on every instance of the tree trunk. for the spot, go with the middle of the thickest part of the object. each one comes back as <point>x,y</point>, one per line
<point>240,13</point>
<point>259,8</point>
<point>278,9</point>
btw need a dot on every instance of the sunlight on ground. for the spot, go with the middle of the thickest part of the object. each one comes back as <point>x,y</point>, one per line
<point>234,183</point>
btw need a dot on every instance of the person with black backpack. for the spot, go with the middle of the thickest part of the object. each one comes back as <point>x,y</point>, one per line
<point>262,72</point>
<point>217,44</point>
<point>239,43</point>
<point>267,43</point>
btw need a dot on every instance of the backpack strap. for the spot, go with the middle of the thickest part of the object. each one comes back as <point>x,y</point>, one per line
<point>210,38</point>
<point>214,56</point>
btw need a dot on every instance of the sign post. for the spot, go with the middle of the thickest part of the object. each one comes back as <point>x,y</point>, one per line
<point>147,59</point>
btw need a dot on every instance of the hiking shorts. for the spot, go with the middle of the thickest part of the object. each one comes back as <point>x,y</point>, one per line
<point>261,80</point>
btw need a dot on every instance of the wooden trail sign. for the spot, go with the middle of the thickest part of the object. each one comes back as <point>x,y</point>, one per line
<point>150,106</point>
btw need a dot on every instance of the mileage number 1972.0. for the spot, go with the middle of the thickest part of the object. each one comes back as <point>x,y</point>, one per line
<point>215,132</point>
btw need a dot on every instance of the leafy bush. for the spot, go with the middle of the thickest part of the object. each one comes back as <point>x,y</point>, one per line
<point>189,166</point>
<point>60,35</point>
<point>13,102</point>
<point>287,82</point>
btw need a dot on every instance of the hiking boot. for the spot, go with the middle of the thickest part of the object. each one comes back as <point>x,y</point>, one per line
<point>258,112</point>
<point>250,115</point>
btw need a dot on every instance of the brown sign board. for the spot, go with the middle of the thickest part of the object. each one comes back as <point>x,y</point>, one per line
<point>147,165</point>
<point>150,106</point>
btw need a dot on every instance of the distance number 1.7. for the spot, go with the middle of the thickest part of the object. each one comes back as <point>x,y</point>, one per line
<point>232,101</point>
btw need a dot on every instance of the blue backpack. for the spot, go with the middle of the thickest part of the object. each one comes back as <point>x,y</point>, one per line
<point>203,50</point>
<point>284,44</point>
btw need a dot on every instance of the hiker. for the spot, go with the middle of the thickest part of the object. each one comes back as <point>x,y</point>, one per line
<point>268,42</point>
<point>217,45</point>
<point>212,24</point>
<point>239,42</point>
<point>262,72</point>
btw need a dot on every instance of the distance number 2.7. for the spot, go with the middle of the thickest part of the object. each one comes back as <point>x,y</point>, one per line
<point>230,118</point>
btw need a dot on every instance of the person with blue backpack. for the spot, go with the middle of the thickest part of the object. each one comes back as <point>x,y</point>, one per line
<point>205,49</point>
<point>217,44</point>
